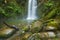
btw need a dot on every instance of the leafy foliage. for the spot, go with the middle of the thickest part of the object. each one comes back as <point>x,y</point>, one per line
<point>49,9</point>
<point>10,9</point>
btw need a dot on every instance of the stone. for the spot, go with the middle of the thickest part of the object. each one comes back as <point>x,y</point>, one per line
<point>51,34</point>
<point>35,36</point>
<point>5,33</point>
<point>58,34</point>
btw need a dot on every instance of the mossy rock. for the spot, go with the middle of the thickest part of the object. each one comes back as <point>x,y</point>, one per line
<point>51,25</point>
<point>42,36</point>
<point>36,26</point>
<point>35,36</point>
<point>6,33</point>
<point>35,30</point>
<point>26,36</point>
<point>47,35</point>
<point>25,28</point>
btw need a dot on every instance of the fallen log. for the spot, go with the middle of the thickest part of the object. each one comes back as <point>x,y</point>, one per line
<point>11,26</point>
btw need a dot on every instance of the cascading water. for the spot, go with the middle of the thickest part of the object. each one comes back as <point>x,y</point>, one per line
<point>32,7</point>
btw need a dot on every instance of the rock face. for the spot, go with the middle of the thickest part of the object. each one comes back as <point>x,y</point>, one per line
<point>6,32</point>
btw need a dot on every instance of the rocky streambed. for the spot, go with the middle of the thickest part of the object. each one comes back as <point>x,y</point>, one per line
<point>37,30</point>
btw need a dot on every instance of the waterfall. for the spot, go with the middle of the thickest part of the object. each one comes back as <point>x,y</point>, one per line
<point>32,7</point>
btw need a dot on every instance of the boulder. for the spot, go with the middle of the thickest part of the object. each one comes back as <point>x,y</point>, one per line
<point>5,33</point>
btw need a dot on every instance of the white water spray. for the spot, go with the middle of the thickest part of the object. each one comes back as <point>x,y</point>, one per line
<point>32,7</point>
